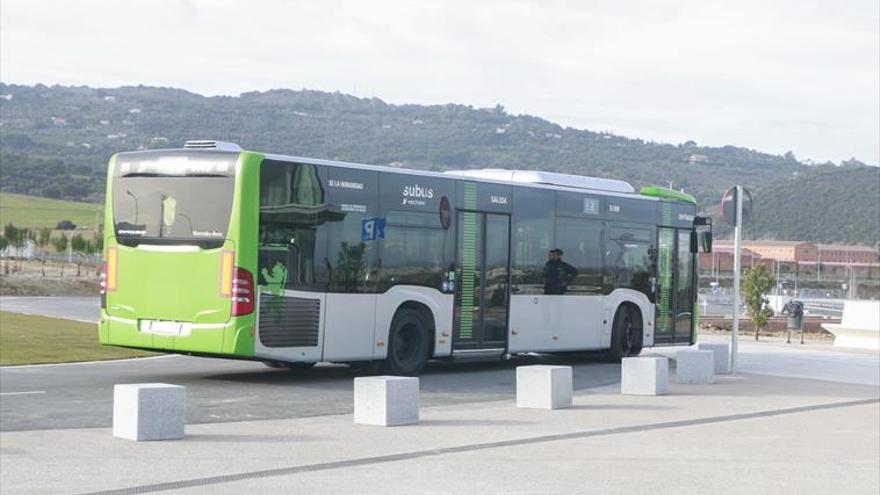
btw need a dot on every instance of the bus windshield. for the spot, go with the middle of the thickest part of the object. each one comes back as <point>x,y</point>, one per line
<point>173,198</point>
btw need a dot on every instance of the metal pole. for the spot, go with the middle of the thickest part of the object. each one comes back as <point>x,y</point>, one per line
<point>737,240</point>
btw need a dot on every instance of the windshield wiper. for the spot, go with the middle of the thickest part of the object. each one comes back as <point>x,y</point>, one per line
<point>141,174</point>
<point>153,174</point>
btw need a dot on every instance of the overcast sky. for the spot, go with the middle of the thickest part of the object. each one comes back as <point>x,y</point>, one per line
<point>774,76</point>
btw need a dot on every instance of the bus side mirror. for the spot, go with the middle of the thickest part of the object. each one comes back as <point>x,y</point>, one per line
<point>701,242</point>
<point>705,240</point>
<point>701,239</point>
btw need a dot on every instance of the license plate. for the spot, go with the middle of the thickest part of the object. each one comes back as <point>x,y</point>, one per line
<point>165,327</point>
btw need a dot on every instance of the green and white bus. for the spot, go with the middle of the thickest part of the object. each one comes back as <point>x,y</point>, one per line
<point>215,251</point>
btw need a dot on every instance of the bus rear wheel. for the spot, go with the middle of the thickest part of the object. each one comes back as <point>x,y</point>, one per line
<point>408,343</point>
<point>626,334</point>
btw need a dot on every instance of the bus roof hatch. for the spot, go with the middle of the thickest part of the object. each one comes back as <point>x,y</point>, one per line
<point>210,144</point>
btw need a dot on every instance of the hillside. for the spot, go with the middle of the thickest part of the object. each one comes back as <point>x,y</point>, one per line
<point>825,203</point>
<point>35,212</point>
<point>56,141</point>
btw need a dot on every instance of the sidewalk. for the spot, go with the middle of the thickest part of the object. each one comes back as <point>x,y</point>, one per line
<point>746,433</point>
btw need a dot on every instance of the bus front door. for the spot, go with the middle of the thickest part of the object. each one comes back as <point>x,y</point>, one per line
<point>483,282</point>
<point>675,287</point>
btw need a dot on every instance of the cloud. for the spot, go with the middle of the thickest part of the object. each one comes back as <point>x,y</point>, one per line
<point>787,75</point>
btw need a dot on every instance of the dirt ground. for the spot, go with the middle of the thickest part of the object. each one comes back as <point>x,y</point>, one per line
<point>775,328</point>
<point>29,280</point>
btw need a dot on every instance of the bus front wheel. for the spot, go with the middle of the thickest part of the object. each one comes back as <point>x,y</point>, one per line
<point>626,334</point>
<point>408,343</point>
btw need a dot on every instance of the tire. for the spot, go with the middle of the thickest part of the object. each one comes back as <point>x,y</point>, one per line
<point>409,344</point>
<point>626,337</point>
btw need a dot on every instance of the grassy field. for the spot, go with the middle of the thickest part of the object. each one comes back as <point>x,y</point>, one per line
<point>26,339</point>
<point>36,212</point>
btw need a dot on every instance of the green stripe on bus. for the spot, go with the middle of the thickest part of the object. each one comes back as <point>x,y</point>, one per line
<point>664,320</point>
<point>468,263</point>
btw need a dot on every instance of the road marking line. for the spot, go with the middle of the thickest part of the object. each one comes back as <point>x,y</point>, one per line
<point>24,393</point>
<point>13,367</point>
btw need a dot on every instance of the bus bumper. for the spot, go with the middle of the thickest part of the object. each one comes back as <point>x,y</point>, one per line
<point>236,337</point>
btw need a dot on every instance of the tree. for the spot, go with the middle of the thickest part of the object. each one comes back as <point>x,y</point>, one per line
<point>19,240</point>
<point>12,233</point>
<point>81,247</point>
<point>98,248</point>
<point>44,237</point>
<point>60,244</point>
<point>4,243</point>
<point>757,282</point>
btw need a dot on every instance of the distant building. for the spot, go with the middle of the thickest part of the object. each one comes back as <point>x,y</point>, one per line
<point>784,251</point>
<point>695,159</point>
<point>846,253</point>
<point>796,258</point>
<point>721,259</point>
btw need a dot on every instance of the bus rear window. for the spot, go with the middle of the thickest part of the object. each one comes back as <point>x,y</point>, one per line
<point>173,197</point>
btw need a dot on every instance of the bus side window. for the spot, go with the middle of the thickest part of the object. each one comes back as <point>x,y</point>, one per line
<point>413,250</point>
<point>294,219</point>
<point>533,237</point>
<point>580,241</point>
<point>629,258</point>
<point>352,256</point>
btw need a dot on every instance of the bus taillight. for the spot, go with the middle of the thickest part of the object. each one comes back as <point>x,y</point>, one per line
<point>108,274</point>
<point>242,292</point>
<point>237,284</point>
<point>227,264</point>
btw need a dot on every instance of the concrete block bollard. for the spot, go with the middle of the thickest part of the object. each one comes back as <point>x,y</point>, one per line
<point>644,375</point>
<point>149,411</point>
<point>722,356</point>
<point>386,400</point>
<point>543,387</point>
<point>696,367</point>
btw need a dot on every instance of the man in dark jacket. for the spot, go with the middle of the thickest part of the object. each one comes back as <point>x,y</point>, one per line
<point>557,273</point>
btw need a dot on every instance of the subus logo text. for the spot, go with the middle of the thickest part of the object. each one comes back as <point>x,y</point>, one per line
<point>498,200</point>
<point>417,191</point>
<point>416,195</point>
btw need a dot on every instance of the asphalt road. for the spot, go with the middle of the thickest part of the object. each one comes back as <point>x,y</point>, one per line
<point>71,308</point>
<point>81,395</point>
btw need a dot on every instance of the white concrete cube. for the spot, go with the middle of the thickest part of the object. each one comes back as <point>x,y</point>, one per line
<point>149,411</point>
<point>386,400</point>
<point>644,375</point>
<point>693,366</point>
<point>722,356</point>
<point>543,386</point>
